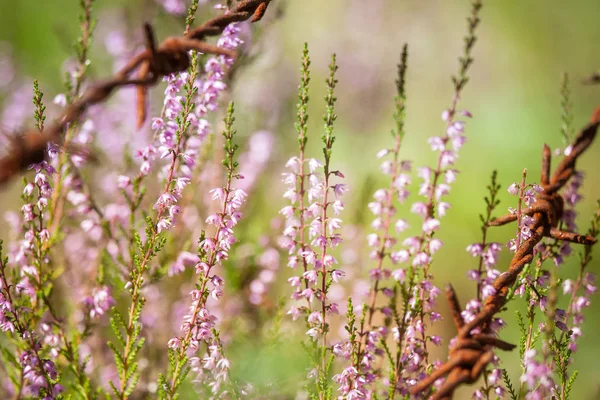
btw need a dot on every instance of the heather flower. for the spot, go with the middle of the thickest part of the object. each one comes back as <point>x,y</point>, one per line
<point>311,231</point>
<point>537,377</point>
<point>199,324</point>
<point>100,302</point>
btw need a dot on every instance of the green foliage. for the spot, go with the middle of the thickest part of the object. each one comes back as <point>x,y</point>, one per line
<point>508,384</point>
<point>324,388</point>
<point>400,98</point>
<point>570,383</point>
<point>162,385</point>
<point>562,354</point>
<point>119,359</point>
<point>328,138</point>
<point>274,333</point>
<point>491,201</point>
<point>187,103</point>
<point>130,343</point>
<point>523,330</point>
<point>230,148</point>
<point>8,359</point>
<point>40,108</point>
<point>82,45</point>
<point>351,329</point>
<point>466,60</point>
<point>191,15</point>
<point>302,118</point>
<point>566,104</point>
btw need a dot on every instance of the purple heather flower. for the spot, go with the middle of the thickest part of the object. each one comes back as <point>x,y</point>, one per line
<point>100,302</point>
<point>537,377</point>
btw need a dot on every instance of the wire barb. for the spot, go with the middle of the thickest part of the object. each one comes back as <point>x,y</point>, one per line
<point>473,347</point>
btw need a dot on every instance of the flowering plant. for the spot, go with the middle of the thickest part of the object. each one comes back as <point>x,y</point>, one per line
<point>138,267</point>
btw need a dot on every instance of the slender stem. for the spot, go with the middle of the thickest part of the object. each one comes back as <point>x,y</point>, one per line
<point>201,303</point>
<point>58,200</point>
<point>389,201</point>
<point>137,284</point>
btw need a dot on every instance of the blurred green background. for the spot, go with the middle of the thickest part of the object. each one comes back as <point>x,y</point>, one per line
<point>523,48</point>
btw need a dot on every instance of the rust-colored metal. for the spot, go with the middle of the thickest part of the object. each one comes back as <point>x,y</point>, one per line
<point>171,56</point>
<point>473,347</point>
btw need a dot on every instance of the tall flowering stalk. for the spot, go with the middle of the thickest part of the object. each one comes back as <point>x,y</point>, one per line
<point>294,238</point>
<point>38,373</point>
<point>67,164</point>
<point>180,132</point>
<point>420,291</point>
<point>199,325</point>
<point>24,295</point>
<point>37,333</point>
<point>323,229</point>
<point>141,253</point>
<point>546,350</point>
<point>33,316</point>
<point>74,201</point>
<point>485,275</point>
<point>355,379</point>
<point>569,321</point>
<point>540,287</point>
<point>318,263</point>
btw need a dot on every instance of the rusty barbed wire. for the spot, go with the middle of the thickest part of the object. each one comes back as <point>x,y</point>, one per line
<point>169,57</point>
<point>592,79</point>
<point>473,349</point>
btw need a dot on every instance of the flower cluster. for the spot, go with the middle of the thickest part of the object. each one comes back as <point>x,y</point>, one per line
<point>488,253</point>
<point>179,133</point>
<point>36,195</point>
<point>419,250</point>
<point>493,384</point>
<point>527,194</point>
<point>434,187</point>
<point>32,258</point>
<point>181,114</point>
<point>538,377</point>
<point>306,287</point>
<point>199,324</point>
<point>571,198</point>
<point>579,302</point>
<point>311,230</point>
<point>357,378</point>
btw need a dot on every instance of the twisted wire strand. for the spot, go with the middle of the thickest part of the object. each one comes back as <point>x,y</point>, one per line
<point>473,349</point>
<point>169,57</point>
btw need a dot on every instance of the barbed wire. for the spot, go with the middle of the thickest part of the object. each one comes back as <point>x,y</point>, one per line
<point>169,57</point>
<point>473,349</point>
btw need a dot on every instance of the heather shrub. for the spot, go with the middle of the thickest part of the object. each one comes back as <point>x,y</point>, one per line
<point>168,235</point>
